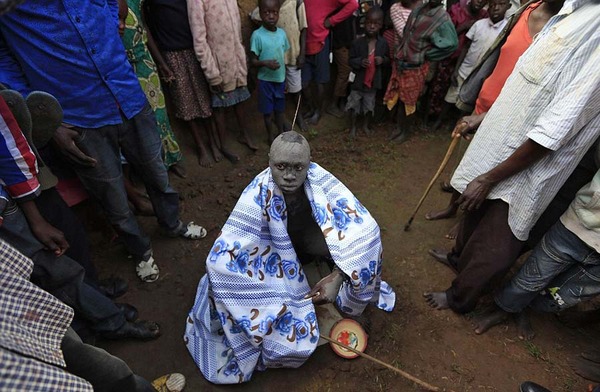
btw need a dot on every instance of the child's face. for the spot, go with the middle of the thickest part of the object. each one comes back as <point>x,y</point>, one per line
<point>497,9</point>
<point>373,24</point>
<point>269,13</point>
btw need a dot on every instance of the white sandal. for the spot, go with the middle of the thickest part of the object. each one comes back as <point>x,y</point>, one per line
<point>147,271</point>
<point>193,232</point>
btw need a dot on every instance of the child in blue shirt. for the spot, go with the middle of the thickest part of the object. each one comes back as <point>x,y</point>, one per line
<point>268,45</point>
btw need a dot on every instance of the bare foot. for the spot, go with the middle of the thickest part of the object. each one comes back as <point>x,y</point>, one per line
<point>367,131</point>
<point>441,256</point>
<point>233,158</point>
<point>485,322</point>
<point>247,140</point>
<point>453,232</point>
<point>301,124</point>
<point>524,326</point>
<point>437,300</point>
<point>178,170</point>
<point>446,187</point>
<point>335,111</point>
<point>216,153</point>
<point>446,213</point>
<point>204,160</point>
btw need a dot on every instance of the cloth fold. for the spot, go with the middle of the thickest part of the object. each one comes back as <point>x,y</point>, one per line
<point>250,312</point>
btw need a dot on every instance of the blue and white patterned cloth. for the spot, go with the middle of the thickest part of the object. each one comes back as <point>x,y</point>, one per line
<point>250,312</point>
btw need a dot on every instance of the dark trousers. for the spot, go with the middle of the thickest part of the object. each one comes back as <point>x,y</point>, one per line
<point>139,142</point>
<point>60,276</point>
<point>485,250</point>
<point>104,371</point>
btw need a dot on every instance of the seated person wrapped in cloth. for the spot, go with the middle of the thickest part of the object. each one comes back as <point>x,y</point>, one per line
<point>254,307</point>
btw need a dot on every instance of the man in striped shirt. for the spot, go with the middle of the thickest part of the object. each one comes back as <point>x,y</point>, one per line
<point>533,137</point>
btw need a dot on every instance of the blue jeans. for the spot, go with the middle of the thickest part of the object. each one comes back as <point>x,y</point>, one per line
<point>559,250</point>
<point>138,141</point>
<point>60,276</point>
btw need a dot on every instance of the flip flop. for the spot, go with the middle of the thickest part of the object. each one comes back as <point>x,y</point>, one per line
<point>147,271</point>
<point>172,382</point>
<point>193,231</point>
<point>46,116</point>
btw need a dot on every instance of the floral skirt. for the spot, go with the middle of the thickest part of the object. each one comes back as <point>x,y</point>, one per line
<point>189,91</point>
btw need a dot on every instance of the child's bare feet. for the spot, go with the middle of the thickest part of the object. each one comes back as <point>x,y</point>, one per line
<point>314,119</point>
<point>245,139</point>
<point>453,232</point>
<point>216,153</point>
<point>203,158</point>
<point>446,213</point>
<point>367,130</point>
<point>233,158</point>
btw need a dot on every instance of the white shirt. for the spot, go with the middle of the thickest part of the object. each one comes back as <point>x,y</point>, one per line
<point>553,98</point>
<point>482,35</point>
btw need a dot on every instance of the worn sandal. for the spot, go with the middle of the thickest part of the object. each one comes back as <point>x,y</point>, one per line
<point>147,271</point>
<point>193,231</point>
<point>46,116</point>
<point>172,382</point>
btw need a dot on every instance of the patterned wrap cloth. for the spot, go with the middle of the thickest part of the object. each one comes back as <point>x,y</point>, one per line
<point>250,312</point>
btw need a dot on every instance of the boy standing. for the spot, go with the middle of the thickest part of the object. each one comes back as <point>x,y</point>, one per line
<point>367,55</point>
<point>268,45</point>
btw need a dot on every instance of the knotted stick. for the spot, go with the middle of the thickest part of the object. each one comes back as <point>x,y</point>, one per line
<point>456,135</point>
<point>429,387</point>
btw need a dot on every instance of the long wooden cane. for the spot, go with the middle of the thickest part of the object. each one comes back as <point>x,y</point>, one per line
<point>457,134</point>
<point>425,385</point>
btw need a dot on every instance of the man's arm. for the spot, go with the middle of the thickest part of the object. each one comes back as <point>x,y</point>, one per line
<point>478,189</point>
<point>11,74</point>
<point>348,8</point>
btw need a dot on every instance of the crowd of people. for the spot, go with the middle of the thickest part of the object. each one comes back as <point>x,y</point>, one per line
<point>82,107</point>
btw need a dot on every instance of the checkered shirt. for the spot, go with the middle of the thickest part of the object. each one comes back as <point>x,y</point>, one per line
<point>32,326</point>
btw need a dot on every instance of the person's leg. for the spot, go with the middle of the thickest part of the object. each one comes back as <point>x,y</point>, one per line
<point>139,202</point>
<point>245,137</point>
<point>488,254</point>
<point>272,132</point>
<point>221,134</point>
<point>322,69</point>
<point>400,134</point>
<point>447,212</point>
<point>353,116</point>
<point>198,130</point>
<point>104,371</point>
<point>340,57</point>
<point>141,147</point>
<point>215,143</point>
<point>104,182</point>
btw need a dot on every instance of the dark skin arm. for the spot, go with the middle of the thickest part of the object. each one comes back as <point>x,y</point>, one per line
<point>52,238</point>
<point>301,55</point>
<point>478,189</point>
<point>164,69</point>
<point>255,62</point>
<point>65,139</point>
<point>461,58</point>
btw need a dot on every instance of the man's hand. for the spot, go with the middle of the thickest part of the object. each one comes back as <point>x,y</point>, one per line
<point>365,63</point>
<point>475,194</point>
<point>467,125</point>
<point>326,290</point>
<point>52,238</point>
<point>271,64</point>
<point>378,60</point>
<point>300,61</point>
<point>65,141</point>
<point>327,23</point>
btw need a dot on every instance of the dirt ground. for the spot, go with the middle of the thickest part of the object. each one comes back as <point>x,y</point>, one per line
<point>436,346</point>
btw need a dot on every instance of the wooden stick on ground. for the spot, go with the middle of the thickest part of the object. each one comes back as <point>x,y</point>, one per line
<point>455,138</point>
<point>429,387</point>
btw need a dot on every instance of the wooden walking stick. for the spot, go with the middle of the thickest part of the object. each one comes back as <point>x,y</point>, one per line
<point>423,384</point>
<point>456,135</point>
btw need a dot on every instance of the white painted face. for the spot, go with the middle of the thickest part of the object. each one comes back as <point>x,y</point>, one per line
<point>289,160</point>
